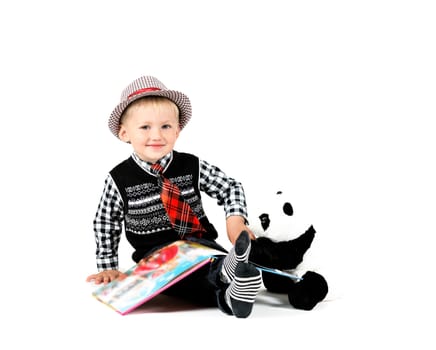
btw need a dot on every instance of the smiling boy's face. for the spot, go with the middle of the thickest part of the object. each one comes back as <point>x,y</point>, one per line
<point>151,126</point>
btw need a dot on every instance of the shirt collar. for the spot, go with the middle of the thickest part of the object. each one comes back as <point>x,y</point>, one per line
<point>164,162</point>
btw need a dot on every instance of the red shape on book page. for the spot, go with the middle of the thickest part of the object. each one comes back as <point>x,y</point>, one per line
<point>156,260</point>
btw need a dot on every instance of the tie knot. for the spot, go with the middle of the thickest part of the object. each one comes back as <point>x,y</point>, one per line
<point>157,169</point>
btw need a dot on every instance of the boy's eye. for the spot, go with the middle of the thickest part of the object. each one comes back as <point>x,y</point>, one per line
<point>166,126</point>
<point>145,127</point>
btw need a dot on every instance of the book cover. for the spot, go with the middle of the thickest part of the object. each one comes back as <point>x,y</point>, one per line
<point>156,273</point>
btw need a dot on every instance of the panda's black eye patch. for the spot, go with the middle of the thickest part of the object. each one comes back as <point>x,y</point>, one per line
<point>287,209</point>
<point>264,221</point>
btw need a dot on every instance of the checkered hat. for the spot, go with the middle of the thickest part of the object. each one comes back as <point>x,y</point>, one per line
<point>149,86</point>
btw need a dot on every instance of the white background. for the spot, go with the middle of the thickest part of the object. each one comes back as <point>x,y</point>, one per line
<point>339,95</point>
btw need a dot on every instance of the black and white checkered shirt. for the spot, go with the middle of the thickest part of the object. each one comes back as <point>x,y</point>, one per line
<point>110,213</point>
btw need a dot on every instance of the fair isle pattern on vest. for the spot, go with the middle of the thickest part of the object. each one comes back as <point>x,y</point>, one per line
<point>145,212</point>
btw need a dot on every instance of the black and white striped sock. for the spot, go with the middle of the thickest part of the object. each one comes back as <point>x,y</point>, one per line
<point>238,253</point>
<point>242,292</point>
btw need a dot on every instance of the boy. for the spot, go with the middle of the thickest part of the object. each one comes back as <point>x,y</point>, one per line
<point>150,118</point>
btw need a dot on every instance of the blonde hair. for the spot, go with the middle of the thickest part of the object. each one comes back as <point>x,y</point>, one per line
<point>156,101</point>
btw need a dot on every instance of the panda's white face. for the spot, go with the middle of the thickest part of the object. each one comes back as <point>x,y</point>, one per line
<point>277,220</point>
<point>286,209</point>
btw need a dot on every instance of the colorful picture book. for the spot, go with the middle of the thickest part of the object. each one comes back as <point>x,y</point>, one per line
<point>159,271</point>
<point>156,273</point>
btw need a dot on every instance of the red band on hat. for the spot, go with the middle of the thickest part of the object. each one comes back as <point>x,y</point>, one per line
<point>140,91</point>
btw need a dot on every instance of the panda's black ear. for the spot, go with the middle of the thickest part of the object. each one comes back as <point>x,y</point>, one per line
<point>287,209</point>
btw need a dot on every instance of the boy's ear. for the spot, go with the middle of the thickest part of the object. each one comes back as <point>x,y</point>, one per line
<point>122,134</point>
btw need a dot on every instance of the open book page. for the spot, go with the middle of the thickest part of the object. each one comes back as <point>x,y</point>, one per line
<point>156,273</point>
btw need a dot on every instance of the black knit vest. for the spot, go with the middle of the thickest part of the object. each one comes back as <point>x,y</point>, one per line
<point>146,222</point>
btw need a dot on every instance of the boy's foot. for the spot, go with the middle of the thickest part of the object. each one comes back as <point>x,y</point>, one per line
<point>242,292</point>
<point>238,253</point>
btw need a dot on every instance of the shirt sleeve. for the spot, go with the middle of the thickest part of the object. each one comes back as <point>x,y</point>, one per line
<point>225,189</point>
<point>108,226</point>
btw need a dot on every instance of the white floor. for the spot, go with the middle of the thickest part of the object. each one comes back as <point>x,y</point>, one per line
<point>59,312</point>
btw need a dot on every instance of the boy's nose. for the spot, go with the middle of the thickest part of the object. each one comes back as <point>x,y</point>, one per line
<point>156,133</point>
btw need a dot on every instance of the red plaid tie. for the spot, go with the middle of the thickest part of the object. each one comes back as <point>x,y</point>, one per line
<point>182,218</point>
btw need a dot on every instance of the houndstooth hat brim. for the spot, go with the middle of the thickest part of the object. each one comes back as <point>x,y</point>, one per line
<point>149,86</point>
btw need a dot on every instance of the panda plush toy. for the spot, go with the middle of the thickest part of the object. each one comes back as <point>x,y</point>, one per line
<point>277,222</point>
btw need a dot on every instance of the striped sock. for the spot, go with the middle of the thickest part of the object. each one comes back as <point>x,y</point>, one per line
<point>238,253</point>
<point>242,292</point>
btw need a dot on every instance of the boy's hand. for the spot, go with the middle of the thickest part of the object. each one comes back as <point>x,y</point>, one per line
<point>235,225</point>
<point>105,276</point>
